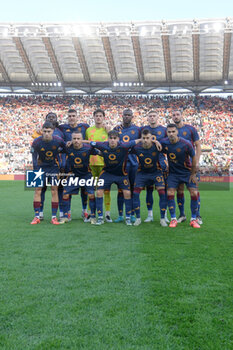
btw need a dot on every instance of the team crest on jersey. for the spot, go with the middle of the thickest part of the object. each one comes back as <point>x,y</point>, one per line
<point>153,154</point>
<point>54,147</point>
<point>178,149</point>
<point>148,160</point>
<point>79,129</point>
<point>184,133</point>
<point>118,150</point>
<point>112,156</point>
<point>132,132</point>
<point>42,149</point>
<point>84,154</point>
<point>159,132</point>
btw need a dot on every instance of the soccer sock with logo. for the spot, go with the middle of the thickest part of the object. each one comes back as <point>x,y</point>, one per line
<point>54,209</point>
<point>162,203</point>
<point>66,207</point>
<point>198,203</point>
<point>180,201</point>
<point>149,198</point>
<point>136,201</point>
<point>92,206</point>
<point>120,202</point>
<point>36,206</point>
<point>60,199</point>
<point>172,206</point>
<point>128,205</point>
<point>42,198</point>
<point>194,207</point>
<point>84,199</point>
<point>99,206</point>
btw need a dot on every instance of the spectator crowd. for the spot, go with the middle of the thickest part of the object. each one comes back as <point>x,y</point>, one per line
<point>21,115</point>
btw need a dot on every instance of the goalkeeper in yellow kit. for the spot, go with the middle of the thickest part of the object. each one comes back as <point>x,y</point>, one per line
<point>99,133</point>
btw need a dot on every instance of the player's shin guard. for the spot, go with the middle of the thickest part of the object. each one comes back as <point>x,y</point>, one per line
<point>128,204</point>
<point>149,197</point>
<point>84,198</point>
<point>120,202</point>
<point>107,200</point>
<point>99,206</point>
<point>66,207</point>
<point>92,206</point>
<point>54,209</point>
<point>171,206</point>
<point>180,201</point>
<point>162,203</point>
<point>136,202</point>
<point>198,204</point>
<point>194,206</point>
<point>37,206</point>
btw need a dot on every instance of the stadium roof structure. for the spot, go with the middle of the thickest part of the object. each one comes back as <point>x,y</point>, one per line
<point>128,57</point>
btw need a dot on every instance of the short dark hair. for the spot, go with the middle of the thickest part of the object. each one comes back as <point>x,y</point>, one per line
<point>48,125</point>
<point>172,125</point>
<point>51,114</point>
<point>77,132</point>
<point>113,133</point>
<point>146,131</point>
<point>99,110</point>
<point>72,110</point>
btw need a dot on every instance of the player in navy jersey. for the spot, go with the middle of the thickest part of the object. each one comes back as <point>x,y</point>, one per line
<point>115,156</point>
<point>189,133</point>
<point>67,130</point>
<point>149,174</point>
<point>77,162</point>
<point>128,132</point>
<point>158,133</point>
<point>182,170</point>
<point>46,158</point>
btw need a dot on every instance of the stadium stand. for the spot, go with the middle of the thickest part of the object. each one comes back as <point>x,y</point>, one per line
<point>21,115</point>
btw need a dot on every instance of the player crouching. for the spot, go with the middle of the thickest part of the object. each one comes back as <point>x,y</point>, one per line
<point>45,155</point>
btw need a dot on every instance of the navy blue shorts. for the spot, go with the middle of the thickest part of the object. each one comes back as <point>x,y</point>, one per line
<point>143,179</point>
<point>51,173</point>
<point>121,181</point>
<point>73,188</point>
<point>174,180</point>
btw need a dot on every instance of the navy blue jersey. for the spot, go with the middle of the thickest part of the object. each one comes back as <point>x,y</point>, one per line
<point>77,160</point>
<point>67,130</point>
<point>178,155</point>
<point>159,133</point>
<point>128,134</point>
<point>114,158</point>
<point>46,153</point>
<point>57,132</point>
<point>148,158</point>
<point>188,132</point>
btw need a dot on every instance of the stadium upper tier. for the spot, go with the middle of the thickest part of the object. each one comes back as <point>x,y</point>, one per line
<point>121,57</point>
<point>21,116</point>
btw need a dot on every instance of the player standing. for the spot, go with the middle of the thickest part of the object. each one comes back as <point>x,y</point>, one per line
<point>189,133</point>
<point>45,154</point>
<point>181,171</point>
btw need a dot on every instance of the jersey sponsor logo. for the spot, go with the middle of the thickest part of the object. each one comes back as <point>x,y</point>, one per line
<point>49,154</point>
<point>112,156</point>
<point>148,160</point>
<point>78,160</point>
<point>126,138</point>
<point>125,182</point>
<point>153,137</point>
<point>172,156</point>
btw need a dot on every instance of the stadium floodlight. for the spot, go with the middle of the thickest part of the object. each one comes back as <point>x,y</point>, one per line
<point>51,84</point>
<point>55,84</point>
<point>226,82</point>
<point>143,31</point>
<point>142,84</point>
<point>59,83</point>
<point>217,27</point>
<point>130,84</point>
<point>126,84</point>
<point>121,84</point>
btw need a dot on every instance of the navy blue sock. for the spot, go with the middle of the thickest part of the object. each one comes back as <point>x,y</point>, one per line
<point>99,206</point>
<point>172,206</point>
<point>136,202</point>
<point>194,206</point>
<point>120,202</point>
<point>180,201</point>
<point>162,203</point>
<point>92,206</point>
<point>84,198</point>
<point>65,206</point>
<point>128,204</point>
<point>149,197</point>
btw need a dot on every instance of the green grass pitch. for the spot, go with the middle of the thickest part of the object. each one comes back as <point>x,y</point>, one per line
<point>78,286</point>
